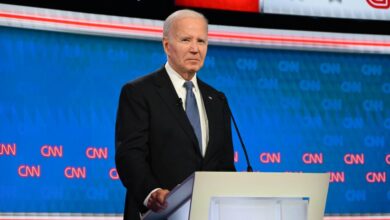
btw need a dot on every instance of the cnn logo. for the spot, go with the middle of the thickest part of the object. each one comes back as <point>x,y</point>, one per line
<point>379,4</point>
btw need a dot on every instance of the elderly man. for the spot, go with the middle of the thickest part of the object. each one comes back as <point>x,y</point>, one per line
<point>169,122</point>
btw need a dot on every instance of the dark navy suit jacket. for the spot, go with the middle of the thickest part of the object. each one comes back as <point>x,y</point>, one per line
<point>155,143</point>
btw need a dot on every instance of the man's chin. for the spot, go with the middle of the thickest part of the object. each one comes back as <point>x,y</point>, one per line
<point>193,69</point>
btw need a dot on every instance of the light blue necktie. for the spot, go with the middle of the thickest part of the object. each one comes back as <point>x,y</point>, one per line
<point>193,112</point>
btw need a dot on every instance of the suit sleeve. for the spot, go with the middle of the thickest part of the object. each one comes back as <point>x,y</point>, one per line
<point>131,143</point>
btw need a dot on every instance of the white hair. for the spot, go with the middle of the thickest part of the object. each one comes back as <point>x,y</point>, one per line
<point>184,13</point>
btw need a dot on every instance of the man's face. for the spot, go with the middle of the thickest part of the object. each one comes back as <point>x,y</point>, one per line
<point>186,45</point>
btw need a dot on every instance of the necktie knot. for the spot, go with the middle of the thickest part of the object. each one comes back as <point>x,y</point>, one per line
<point>188,85</point>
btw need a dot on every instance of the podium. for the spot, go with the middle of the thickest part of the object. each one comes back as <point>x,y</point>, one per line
<point>234,195</point>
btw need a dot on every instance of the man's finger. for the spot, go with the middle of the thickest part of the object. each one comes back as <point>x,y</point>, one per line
<point>162,195</point>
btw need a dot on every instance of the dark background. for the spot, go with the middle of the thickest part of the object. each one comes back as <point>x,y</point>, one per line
<point>160,9</point>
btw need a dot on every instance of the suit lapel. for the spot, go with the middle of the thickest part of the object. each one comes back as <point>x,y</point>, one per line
<point>209,99</point>
<point>168,94</point>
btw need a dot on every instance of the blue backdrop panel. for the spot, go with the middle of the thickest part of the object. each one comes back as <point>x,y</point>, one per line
<point>299,111</point>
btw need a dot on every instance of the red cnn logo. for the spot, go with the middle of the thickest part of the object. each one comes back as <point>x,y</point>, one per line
<point>8,149</point>
<point>309,158</point>
<point>337,177</point>
<point>376,177</point>
<point>113,174</point>
<point>75,172</point>
<point>379,4</point>
<point>29,171</point>
<point>97,153</point>
<point>351,159</point>
<point>51,151</point>
<point>270,157</point>
<point>235,156</point>
<point>387,159</point>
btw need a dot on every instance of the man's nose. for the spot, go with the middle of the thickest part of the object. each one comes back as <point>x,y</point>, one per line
<point>194,48</point>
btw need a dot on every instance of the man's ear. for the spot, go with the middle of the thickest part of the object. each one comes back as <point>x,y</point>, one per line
<point>165,44</point>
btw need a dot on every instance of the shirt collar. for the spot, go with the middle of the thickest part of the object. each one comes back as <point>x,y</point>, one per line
<point>177,79</point>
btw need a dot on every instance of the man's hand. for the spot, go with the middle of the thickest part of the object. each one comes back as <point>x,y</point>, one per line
<point>157,201</point>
